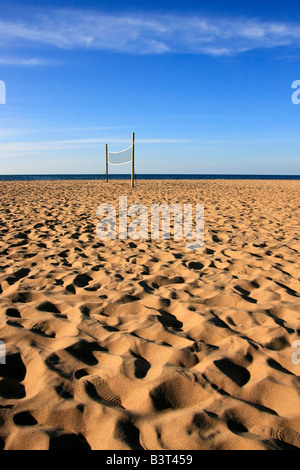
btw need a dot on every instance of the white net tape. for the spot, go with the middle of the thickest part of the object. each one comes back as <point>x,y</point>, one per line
<point>120,158</point>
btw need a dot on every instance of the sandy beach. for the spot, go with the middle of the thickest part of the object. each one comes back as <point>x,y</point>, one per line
<point>124,344</point>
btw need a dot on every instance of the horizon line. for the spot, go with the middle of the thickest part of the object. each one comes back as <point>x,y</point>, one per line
<point>150,174</point>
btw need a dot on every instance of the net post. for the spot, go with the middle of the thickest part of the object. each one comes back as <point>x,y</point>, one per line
<point>132,162</point>
<point>106,163</point>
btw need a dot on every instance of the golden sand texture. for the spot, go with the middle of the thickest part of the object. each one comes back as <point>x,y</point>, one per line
<point>143,344</point>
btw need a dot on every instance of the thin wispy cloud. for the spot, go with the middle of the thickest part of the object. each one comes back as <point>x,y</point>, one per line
<point>32,62</point>
<point>25,147</point>
<point>50,145</point>
<point>10,149</point>
<point>147,33</point>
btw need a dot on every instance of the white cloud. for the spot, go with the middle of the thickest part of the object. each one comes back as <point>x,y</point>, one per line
<point>25,147</point>
<point>33,62</point>
<point>146,33</point>
<point>10,149</point>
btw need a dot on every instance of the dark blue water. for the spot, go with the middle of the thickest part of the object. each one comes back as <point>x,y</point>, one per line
<point>145,177</point>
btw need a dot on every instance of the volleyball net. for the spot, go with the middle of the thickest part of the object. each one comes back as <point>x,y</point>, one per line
<point>121,158</point>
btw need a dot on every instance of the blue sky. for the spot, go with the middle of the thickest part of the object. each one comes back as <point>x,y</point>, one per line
<point>205,86</point>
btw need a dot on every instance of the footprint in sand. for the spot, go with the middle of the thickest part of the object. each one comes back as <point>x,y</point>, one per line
<point>83,351</point>
<point>12,373</point>
<point>18,275</point>
<point>239,375</point>
<point>68,442</point>
<point>24,418</point>
<point>99,390</point>
<point>177,392</point>
<point>48,307</point>
<point>135,366</point>
<point>13,312</point>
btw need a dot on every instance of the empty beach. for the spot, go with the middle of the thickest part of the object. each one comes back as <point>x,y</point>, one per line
<point>144,344</point>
